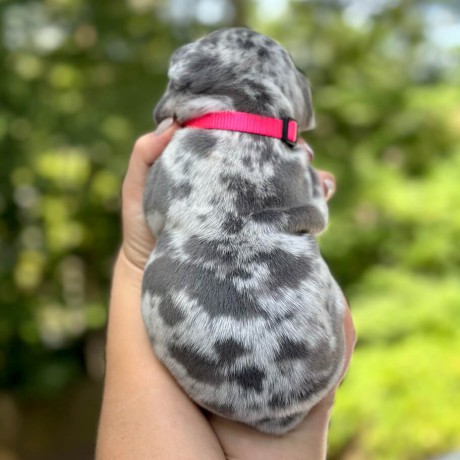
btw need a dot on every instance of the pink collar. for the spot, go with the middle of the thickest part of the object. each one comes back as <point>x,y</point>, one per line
<point>280,128</point>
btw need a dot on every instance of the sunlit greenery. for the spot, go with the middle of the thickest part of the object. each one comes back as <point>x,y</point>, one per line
<point>78,83</point>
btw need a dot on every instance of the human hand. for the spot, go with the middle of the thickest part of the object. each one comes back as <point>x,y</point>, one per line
<point>138,241</point>
<point>144,411</point>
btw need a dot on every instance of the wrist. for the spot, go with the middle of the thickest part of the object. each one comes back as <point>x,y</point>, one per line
<point>125,323</point>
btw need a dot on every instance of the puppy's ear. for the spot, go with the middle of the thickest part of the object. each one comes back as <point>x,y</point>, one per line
<point>165,106</point>
<point>307,115</point>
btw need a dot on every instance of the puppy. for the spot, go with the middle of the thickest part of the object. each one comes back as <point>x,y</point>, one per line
<point>237,301</point>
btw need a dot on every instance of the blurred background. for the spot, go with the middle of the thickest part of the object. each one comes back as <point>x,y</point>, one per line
<point>78,81</point>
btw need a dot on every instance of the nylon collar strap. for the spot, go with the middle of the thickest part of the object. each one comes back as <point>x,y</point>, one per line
<point>279,128</point>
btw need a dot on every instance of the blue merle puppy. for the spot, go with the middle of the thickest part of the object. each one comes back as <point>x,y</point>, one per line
<point>237,300</point>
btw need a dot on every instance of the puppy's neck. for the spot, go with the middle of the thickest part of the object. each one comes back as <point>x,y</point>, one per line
<point>196,107</point>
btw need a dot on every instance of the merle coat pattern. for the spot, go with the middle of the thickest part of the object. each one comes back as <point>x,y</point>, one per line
<point>237,301</point>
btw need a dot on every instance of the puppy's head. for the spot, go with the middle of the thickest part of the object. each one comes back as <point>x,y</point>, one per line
<point>235,70</point>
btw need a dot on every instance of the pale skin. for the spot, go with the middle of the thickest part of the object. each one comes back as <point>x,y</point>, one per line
<point>145,414</point>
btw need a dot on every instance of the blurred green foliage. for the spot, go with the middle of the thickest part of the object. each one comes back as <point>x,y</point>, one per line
<point>78,83</point>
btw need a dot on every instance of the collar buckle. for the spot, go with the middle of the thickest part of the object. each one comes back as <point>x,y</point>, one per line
<point>291,141</point>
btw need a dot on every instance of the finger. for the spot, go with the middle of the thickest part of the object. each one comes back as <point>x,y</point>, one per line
<point>146,150</point>
<point>307,147</point>
<point>326,178</point>
<point>328,182</point>
<point>350,339</point>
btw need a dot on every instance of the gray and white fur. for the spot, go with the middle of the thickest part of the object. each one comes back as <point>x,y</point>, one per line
<point>237,300</point>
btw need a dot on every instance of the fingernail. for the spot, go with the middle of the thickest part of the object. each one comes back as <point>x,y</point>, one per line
<point>329,185</point>
<point>163,126</point>
<point>310,152</point>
